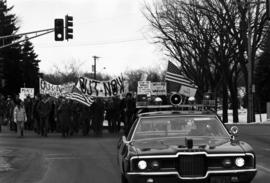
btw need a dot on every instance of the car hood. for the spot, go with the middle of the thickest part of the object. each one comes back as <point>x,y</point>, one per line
<point>171,146</point>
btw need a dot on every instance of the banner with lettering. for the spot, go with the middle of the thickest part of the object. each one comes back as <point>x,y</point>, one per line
<point>54,90</point>
<point>95,88</point>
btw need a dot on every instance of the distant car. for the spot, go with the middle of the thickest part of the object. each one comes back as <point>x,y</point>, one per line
<point>184,146</point>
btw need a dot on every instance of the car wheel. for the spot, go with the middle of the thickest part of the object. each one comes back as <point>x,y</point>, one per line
<point>123,179</point>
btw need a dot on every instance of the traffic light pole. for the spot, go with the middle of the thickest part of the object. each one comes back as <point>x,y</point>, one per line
<point>38,34</point>
<point>58,29</point>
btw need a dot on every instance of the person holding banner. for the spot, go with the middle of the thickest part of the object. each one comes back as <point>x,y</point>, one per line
<point>20,117</point>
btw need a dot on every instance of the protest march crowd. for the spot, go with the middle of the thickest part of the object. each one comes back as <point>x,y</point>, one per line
<point>45,114</point>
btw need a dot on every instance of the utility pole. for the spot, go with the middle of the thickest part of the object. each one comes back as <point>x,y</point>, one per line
<point>95,66</point>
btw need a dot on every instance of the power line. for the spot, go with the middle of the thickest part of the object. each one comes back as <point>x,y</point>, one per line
<point>98,44</point>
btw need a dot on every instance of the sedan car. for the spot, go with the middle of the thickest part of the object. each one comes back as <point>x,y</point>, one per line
<point>184,146</point>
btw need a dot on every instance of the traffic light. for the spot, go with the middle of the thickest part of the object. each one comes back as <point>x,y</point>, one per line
<point>68,27</point>
<point>58,29</point>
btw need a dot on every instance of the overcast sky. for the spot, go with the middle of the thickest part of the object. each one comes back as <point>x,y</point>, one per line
<point>114,30</point>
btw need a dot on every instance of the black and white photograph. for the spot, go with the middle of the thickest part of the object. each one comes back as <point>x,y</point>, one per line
<point>134,91</point>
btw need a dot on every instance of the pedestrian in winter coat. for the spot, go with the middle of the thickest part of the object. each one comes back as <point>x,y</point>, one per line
<point>98,116</point>
<point>10,105</point>
<point>2,109</point>
<point>130,107</point>
<point>64,112</point>
<point>35,115</point>
<point>20,117</point>
<point>44,108</point>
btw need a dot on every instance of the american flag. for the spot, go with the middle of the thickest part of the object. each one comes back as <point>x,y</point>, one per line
<point>78,96</point>
<point>175,79</point>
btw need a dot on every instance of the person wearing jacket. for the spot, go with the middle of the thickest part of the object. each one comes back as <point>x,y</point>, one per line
<point>20,117</point>
<point>44,109</point>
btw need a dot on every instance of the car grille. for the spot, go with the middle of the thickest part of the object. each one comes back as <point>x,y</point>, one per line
<point>192,165</point>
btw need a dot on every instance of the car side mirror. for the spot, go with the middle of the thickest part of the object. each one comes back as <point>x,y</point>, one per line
<point>234,132</point>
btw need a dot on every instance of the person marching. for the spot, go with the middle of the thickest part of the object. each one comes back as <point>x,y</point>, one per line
<point>44,109</point>
<point>20,117</point>
<point>64,112</point>
<point>130,107</point>
<point>98,109</point>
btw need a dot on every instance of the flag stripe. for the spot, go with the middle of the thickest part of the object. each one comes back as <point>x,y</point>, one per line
<point>175,79</point>
<point>187,85</point>
<point>178,80</point>
<point>80,97</point>
<point>173,74</point>
<point>178,75</point>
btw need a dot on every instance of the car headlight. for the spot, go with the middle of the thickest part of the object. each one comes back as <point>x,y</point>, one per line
<point>142,165</point>
<point>240,162</point>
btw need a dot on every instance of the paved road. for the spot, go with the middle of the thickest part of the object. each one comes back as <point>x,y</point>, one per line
<point>258,136</point>
<point>56,160</point>
<point>35,159</point>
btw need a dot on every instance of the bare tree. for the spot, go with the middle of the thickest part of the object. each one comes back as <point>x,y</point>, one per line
<point>209,39</point>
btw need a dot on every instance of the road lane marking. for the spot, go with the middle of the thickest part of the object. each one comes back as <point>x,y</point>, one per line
<point>266,149</point>
<point>267,170</point>
<point>59,154</point>
<point>61,158</point>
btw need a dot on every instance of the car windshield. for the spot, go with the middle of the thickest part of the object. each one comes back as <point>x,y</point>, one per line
<point>180,126</point>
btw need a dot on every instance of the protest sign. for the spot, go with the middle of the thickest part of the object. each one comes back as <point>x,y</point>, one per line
<point>158,88</point>
<point>144,88</point>
<point>25,92</point>
<point>187,91</point>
